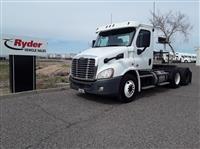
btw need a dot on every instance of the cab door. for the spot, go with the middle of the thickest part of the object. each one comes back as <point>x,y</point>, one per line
<point>144,50</point>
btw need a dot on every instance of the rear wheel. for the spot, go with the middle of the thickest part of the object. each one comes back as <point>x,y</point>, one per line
<point>186,76</point>
<point>175,78</point>
<point>128,88</point>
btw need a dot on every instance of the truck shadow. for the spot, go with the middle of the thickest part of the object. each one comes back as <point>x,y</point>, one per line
<point>113,100</point>
<point>110,100</point>
<point>153,92</point>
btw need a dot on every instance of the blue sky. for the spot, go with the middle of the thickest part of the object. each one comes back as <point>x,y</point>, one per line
<point>70,26</point>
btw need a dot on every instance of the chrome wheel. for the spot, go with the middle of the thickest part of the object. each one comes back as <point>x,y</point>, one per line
<point>129,88</point>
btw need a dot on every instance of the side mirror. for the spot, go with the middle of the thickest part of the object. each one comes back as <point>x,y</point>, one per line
<point>162,40</point>
<point>93,42</point>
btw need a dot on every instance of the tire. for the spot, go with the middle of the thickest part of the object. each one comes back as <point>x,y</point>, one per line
<point>128,88</point>
<point>185,61</point>
<point>175,79</point>
<point>186,76</point>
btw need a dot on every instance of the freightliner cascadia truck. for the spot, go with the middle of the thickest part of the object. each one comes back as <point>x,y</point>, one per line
<point>120,63</point>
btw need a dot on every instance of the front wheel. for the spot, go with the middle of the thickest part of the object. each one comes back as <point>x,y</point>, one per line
<point>128,88</point>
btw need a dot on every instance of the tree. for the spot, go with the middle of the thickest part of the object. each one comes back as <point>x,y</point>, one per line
<point>170,24</point>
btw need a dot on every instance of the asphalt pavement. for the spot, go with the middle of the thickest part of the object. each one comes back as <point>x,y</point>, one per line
<point>159,118</point>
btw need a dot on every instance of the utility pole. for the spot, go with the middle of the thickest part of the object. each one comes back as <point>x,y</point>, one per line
<point>154,10</point>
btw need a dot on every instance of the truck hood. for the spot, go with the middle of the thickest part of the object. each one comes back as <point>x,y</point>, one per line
<point>102,52</point>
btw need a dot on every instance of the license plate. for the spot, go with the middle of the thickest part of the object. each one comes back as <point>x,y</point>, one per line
<point>81,90</point>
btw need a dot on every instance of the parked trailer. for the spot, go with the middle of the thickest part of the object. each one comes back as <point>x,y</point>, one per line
<point>167,57</point>
<point>120,63</point>
<point>198,56</point>
<point>186,57</point>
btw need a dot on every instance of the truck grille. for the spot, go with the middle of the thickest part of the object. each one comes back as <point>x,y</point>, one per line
<point>83,68</point>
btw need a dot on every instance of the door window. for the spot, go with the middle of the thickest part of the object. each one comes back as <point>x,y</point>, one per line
<point>143,39</point>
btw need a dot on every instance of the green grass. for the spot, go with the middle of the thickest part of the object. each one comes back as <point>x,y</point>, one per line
<point>4,77</point>
<point>4,71</point>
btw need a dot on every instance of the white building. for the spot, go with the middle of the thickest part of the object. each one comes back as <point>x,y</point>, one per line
<point>61,56</point>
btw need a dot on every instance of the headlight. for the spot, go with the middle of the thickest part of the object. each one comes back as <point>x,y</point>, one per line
<point>108,73</point>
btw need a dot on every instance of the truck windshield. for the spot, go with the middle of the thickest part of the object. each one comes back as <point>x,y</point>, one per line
<point>117,37</point>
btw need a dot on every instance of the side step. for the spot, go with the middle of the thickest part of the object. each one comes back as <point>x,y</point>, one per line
<point>148,87</point>
<point>163,83</point>
<point>152,86</point>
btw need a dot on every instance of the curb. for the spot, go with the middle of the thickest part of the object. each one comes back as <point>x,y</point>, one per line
<point>34,92</point>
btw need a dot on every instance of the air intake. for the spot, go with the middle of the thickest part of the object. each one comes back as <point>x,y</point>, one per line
<point>83,69</point>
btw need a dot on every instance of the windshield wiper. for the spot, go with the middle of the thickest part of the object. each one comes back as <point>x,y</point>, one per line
<point>108,46</point>
<point>99,46</point>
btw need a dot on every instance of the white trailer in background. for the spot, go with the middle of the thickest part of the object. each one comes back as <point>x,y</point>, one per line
<point>185,57</point>
<point>198,56</point>
<point>179,57</point>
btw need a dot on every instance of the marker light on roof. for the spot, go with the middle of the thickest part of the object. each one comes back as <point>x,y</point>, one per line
<point>128,23</point>
<point>109,25</point>
<point>113,25</point>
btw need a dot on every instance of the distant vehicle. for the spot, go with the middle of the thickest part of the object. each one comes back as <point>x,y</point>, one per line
<point>168,57</point>
<point>186,57</point>
<point>179,57</point>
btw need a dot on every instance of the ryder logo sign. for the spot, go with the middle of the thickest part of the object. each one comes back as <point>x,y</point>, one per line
<point>23,46</point>
<point>20,44</point>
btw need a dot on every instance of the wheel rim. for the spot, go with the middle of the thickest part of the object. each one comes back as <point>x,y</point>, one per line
<point>129,89</point>
<point>177,78</point>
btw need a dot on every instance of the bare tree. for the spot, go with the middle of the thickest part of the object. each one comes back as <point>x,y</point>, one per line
<point>170,24</point>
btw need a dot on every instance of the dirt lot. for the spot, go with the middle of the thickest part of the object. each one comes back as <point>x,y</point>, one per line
<point>52,73</point>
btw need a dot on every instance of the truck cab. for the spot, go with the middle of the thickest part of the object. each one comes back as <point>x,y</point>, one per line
<point>120,63</point>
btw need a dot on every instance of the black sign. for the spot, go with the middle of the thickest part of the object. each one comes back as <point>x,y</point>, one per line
<point>22,73</point>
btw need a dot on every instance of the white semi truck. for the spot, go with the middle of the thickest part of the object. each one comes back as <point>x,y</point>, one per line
<point>120,63</point>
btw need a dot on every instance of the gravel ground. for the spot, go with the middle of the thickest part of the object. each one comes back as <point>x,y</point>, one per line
<point>160,118</point>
